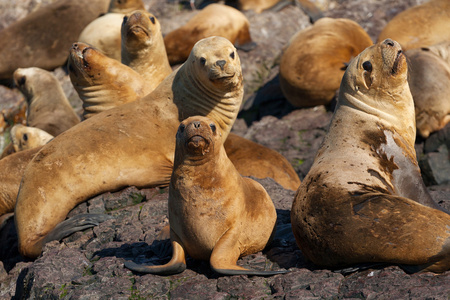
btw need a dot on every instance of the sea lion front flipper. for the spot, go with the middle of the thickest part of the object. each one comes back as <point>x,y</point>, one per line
<point>225,255</point>
<point>176,265</point>
<point>74,224</point>
<point>249,46</point>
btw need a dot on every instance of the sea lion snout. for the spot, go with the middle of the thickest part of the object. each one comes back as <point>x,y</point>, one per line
<point>221,63</point>
<point>389,42</point>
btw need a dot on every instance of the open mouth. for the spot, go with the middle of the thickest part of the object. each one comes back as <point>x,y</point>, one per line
<point>396,62</point>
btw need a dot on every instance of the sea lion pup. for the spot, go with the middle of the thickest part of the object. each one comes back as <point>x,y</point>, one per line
<point>253,159</point>
<point>213,20</point>
<point>130,145</point>
<point>214,213</point>
<point>314,60</point>
<point>25,137</point>
<point>48,108</point>
<point>102,82</point>
<point>42,38</point>
<point>429,81</point>
<point>420,26</point>
<point>104,32</point>
<point>143,47</point>
<point>363,199</point>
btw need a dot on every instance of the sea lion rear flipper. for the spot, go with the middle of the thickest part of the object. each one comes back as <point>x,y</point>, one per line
<point>74,224</point>
<point>310,9</point>
<point>176,265</point>
<point>246,47</point>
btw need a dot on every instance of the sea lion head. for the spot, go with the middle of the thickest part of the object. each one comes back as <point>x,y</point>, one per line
<point>375,82</point>
<point>30,80</point>
<point>197,137</point>
<point>125,6</point>
<point>85,64</point>
<point>216,63</point>
<point>139,29</point>
<point>24,137</point>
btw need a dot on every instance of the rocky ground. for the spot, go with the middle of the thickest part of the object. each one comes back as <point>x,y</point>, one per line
<point>90,264</point>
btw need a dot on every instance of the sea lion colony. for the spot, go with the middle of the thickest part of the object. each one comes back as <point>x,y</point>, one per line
<point>390,138</point>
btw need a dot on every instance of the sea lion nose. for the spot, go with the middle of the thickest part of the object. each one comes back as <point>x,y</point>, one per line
<point>221,63</point>
<point>196,124</point>
<point>389,42</point>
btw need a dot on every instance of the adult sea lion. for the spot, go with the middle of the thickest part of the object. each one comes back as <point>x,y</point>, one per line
<point>213,20</point>
<point>143,47</point>
<point>102,82</point>
<point>104,32</point>
<point>214,213</point>
<point>48,108</point>
<point>364,200</point>
<point>42,38</point>
<point>429,81</point>
<point>420,26</point>
<point>25,137</point>
<point>314,60</point>
<point>130,145</point>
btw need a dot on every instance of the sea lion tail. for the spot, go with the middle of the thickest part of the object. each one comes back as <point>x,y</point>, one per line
<point>74,224</point>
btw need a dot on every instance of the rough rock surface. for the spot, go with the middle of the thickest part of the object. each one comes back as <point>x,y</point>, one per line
<point>89,264</point>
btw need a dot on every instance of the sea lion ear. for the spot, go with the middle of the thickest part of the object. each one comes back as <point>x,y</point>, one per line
<point>367,66</point>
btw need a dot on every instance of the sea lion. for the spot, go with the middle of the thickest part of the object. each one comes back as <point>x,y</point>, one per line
<point>102,82</point>
<point>104,32</point>
<point>363,200</point>
<point>420,26</point>
<point>253,159</point>
<point>143,47</point>
<point>314,60</point>
<point>42,38</point>
<point>48,108</point>
<point>25,137</point>
<point>429,81</point>
<point>213,20</point>
<point>214,213</point>
<point>130,145</point>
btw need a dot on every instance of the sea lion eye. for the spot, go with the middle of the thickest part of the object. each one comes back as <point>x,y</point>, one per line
<point>181,129</point>
<point>367,65</point>
<point>153,20</point>
<point>213,127</point>
<point>25,137</point>
<point>203,61</point>
<point>125,19</point>
<point>22,80</point>
<point>232,55</point>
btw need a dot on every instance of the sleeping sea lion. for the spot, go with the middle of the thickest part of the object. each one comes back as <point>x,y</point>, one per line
<point>314,60</point>
<point>215,214</point>
<point>25,137</point>
<point>363,200</point>
<point>213,20</point>
<point>130,145</point>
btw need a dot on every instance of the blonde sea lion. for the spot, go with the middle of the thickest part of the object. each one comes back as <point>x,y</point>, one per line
<point>429,81</point>
<point>48,108</point>
<point>42,38</point>
<point>253,159</point>
<point>314,60</point>
<point>25,137</point>
<point>213,20</point>
<point>117,148</point>
<point>420,26</point>
<point>364,200</point>
<point>143,47</point>
<point>102,82</point>
<point>104,32</point>
<point>214,213</point>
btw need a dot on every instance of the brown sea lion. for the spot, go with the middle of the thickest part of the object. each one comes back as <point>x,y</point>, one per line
<point>130,145</point>
<point>363,200</point>
<point>104,32</point>
<point>48,108</point>
<point>420,26</point>
<point>102,82</point>
<point>215,214</point>
<point>25,137</point>
<point>42,38</point>
<point>429,81</point>
<point>143,47</point>
<point>253,159</point>
<point>213,20</point>
<point>314,60</point>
